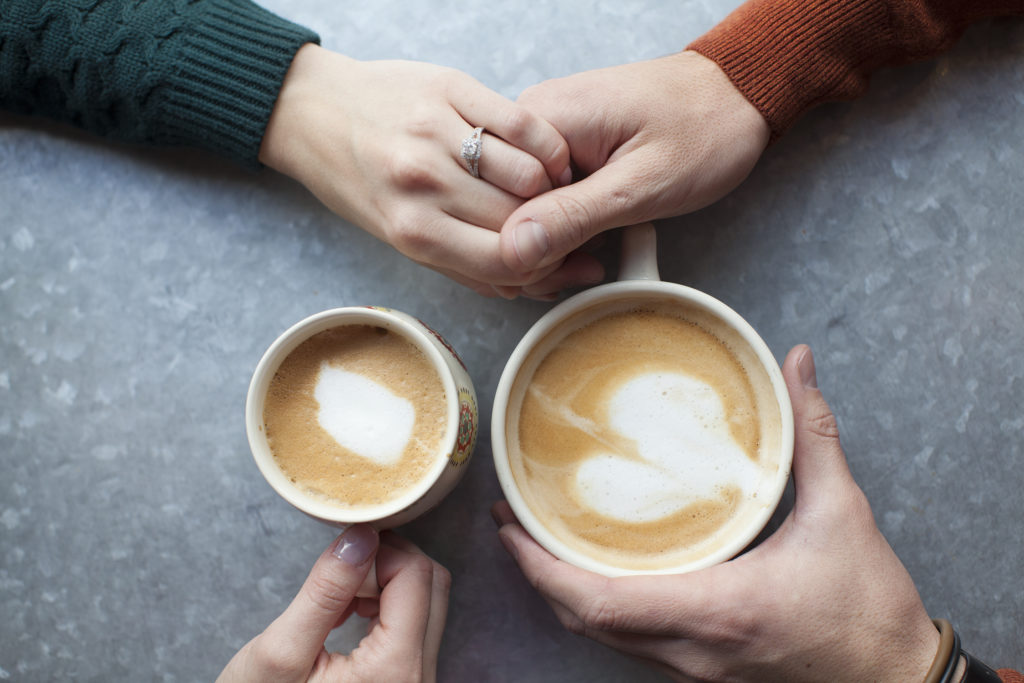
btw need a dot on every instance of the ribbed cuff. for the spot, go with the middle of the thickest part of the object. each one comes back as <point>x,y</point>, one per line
<point>233,61</point>
<point>786,57</point>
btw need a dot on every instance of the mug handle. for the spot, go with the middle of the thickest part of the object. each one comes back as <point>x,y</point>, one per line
<point>639,253</point>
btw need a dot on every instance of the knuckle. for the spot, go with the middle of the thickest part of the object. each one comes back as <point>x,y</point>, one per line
<point>625,200</point>
<point>573,625</point>
<point>734,629</point>
<point>575,219</point>
<point>561,153</point>
<point>422,566</point>
<point>529,179</point>
<point>327,593</point>
<point>530,95</point>
<point>603,612</point>
<point>271,659</point>
<point>421,121</point>
<point>447,77</point>
<point>409,234</point>
<point>824,424</point>
<point>450,83</point>
<point>517,123</point>
<point>539,93</point>
<point>411,171</point>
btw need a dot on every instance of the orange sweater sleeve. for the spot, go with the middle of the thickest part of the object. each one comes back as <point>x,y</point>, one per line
<point>787,56</point>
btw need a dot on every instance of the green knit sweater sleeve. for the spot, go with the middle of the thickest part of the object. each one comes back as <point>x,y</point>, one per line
<point>199,73</point>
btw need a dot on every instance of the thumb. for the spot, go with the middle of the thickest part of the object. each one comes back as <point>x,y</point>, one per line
<point>820,472</point>
<point>549,226</point>
<point>298,635</point>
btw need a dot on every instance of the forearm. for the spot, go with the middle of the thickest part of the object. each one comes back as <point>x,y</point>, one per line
<point>787,56</point>
<point>163,72</point>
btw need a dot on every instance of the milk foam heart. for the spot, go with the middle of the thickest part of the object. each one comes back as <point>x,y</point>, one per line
<point>643,438</point>
<point>363,416</point>
<point>687,451</point>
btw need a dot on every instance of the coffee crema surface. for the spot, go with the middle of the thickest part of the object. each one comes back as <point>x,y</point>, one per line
<point>355,415</point>
<point>642,436</point>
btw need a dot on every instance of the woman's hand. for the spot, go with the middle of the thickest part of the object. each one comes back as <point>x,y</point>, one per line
<point>823,599</point>
<point>380,144</point>
<point>407,621</point>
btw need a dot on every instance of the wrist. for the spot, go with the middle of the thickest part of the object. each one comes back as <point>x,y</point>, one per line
<point>951,664</point>
<point>274,146</point>
<point>743,118</point>
<point>286,144</point>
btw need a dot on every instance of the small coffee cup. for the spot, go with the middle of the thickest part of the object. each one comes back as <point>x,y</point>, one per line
<point>349,410</point>
<point>641,426</point>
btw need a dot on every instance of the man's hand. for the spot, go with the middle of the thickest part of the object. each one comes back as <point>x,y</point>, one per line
<point>653,139</point>
<point>823,599</point>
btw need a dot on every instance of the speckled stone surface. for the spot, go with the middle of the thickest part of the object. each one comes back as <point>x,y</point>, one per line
<point>139,288</point>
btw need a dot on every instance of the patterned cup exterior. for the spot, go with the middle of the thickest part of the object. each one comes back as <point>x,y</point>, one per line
<point>469,414</point>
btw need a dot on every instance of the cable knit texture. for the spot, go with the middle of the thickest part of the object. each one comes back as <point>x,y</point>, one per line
<point>200,73</point>
<point>787,56</point>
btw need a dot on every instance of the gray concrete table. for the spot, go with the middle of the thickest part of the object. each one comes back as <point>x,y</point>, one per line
<point>138,289</point>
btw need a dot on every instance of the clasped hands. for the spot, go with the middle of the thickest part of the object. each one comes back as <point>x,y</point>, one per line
<point>379,144</point>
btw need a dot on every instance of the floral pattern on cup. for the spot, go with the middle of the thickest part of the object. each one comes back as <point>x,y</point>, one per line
<point>468,420</point>
<point>444,343</point>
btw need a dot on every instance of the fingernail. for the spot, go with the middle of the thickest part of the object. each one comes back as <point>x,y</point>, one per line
<point>806,367</point>
<point>356,544</point>
<point>506,291</point>
<point>531,243</point>
<point>566,177</point>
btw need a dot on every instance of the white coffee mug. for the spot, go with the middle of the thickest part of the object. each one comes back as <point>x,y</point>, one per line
<point>456,445</point>
<point>638,282</point>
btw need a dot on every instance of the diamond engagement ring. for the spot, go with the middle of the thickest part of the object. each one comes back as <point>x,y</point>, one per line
<point>471,148</point>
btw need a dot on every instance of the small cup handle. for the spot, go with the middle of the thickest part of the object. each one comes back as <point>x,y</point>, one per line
<point>639,253</point>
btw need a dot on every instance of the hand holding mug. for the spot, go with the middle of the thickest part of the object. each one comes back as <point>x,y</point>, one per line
<point>381,144</point>
<point>824,598</point>
<point>405,629</point>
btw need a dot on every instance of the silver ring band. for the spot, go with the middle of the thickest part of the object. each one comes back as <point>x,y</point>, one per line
<point>471,148</point>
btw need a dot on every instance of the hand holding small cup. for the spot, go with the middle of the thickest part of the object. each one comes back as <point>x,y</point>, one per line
<point>405,628</point>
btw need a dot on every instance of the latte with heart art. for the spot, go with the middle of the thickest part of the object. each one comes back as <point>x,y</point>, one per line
<point>355,415</point>
<point>641,437</point>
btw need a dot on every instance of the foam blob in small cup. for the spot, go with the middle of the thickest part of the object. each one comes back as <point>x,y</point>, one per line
<point>364,416</point>
<point>328,416</point>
